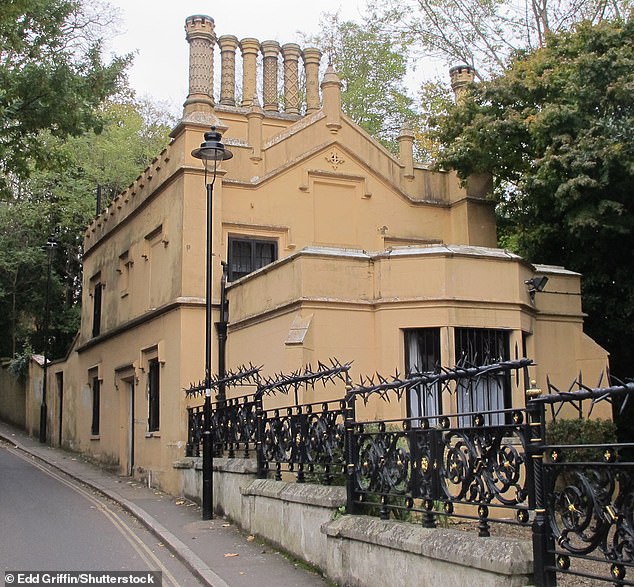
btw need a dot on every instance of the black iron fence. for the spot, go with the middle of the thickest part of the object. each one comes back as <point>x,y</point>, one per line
<point>576,505</point>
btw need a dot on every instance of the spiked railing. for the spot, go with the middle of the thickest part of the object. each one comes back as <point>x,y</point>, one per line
<point>587,494</point>
<point>384,386</point>
<point>305,378</point>
<point>481,466</point>
<point>240,377</point>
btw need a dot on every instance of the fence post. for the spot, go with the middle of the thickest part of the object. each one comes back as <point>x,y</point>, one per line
<point>189,447</point>
<point>300,430</point>
<point>208,463</point>
<point>259,436</point>
<point>432,468</point>
<point>543,544</point>
<point>350,451</point>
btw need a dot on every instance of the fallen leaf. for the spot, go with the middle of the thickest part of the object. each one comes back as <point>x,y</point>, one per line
<point>180,502</point>
<point>250,538</point>
<point>226,525</point>
<point>231,554</point>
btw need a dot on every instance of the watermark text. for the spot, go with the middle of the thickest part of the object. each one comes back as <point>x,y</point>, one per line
<point>32,578</point>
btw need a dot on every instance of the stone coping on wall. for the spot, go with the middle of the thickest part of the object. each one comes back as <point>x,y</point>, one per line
<point>304,493</point>
<point>237,466</point>
<point>505,556</point>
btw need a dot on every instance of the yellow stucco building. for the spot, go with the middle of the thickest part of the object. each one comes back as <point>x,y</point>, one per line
<point>334,248</point>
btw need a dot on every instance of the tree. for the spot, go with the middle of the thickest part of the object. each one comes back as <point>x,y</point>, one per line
<point>60,136</point>
<point>556,130</point>
<point>372,68</point>
<point>61,202</point>
<point>436,98</point>
<point>486,33</point>
<point>51,77</point>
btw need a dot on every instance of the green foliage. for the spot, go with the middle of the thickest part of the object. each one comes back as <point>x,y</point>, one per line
<point>442,519</point>
<point>372,68</point>
<point>581,431</point>
<point>556,130</point>
<point>19,365</point>
<point>436,99</point>
<point>51,78</point>
<point>486,33</point>
<point>61,202</point>
<point>62,134</point>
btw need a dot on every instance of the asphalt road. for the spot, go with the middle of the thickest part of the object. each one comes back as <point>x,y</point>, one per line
<point>50,522</point>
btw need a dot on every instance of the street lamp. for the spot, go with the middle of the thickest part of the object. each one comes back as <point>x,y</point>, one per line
<point>210,150</point>
<point>51,243</point>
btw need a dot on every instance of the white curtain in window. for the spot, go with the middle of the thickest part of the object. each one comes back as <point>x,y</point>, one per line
<point>424,400</point>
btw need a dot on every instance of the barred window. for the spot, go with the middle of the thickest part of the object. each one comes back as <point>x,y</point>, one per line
<point>489,393</point>
<point>422,355</point>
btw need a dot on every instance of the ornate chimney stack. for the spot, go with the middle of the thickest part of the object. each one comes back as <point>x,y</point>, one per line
<point>200,104</point>
<point>312,58</point>
<point>461,76</point>
<point>199,30</point>
<point>270,53</point>
<point>478,185</point>
<point>291,53</point>
<point>249,48</point>
<point>228,45</point>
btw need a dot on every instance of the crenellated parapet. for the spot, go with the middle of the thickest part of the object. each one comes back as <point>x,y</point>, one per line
<point>262,65</point>
<point>158,173</point>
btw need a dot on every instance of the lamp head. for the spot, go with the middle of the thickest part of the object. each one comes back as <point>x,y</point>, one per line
<point>211,149</point>
<point>535,284</point>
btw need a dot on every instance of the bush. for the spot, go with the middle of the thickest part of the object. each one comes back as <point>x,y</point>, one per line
<point>19,365</point>
<point>581,431</point>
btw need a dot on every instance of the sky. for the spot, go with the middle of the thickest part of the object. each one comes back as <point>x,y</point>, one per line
<point>154,31</point>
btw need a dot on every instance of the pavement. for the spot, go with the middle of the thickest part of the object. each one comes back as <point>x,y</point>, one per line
<point>215,551</point>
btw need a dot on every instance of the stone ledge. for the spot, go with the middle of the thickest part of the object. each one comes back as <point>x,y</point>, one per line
<point>237,466</point>
<point>223,465</point>
<point>304,493</point>
<point>504,556</point>
<point>184,463</point>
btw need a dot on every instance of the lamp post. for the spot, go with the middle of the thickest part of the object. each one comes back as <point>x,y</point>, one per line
<point>51,243</point>
<point>221,329</point>
<point>210,150</point>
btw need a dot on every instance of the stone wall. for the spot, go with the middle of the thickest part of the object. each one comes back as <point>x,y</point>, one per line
<point>305,520</point>
<point>12,397</point>
<point>364,551</point>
